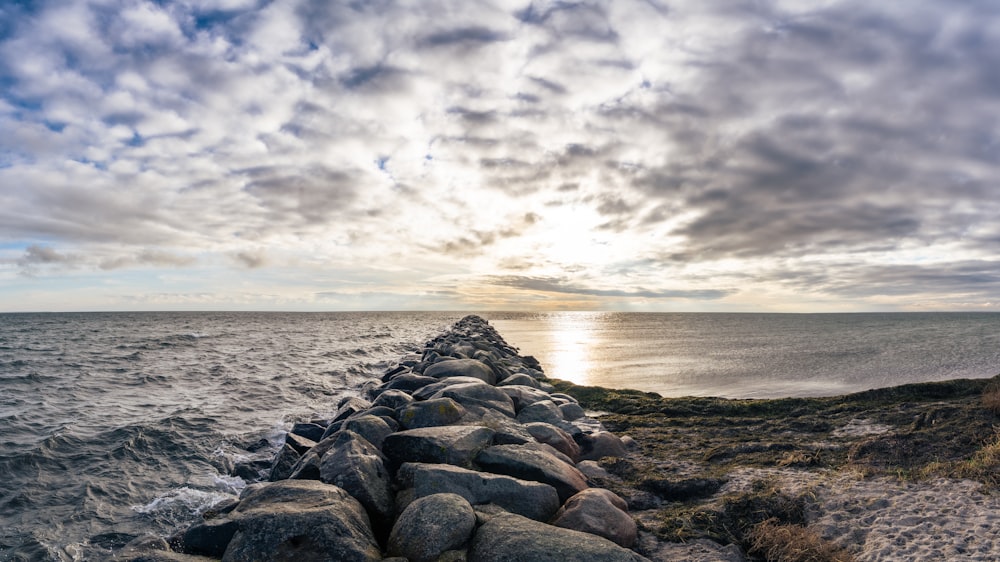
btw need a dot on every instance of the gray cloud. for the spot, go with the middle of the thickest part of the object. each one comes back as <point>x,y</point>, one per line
<point>565,286</point>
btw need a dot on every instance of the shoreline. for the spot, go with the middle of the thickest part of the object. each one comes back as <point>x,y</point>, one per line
<point>686,478</point>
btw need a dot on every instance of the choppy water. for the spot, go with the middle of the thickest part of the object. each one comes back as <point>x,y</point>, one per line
<point>114,425</point>
<point>119,424</point>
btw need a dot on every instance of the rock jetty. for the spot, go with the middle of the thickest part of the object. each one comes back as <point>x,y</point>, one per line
<point>461,453</point>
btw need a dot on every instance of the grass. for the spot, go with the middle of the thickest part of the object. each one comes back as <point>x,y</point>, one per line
<point>780,542</point>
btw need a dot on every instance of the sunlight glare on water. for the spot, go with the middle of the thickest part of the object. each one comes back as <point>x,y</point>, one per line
<point>570,355</point>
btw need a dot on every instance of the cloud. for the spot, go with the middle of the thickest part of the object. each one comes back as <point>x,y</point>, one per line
<point>563,286</point>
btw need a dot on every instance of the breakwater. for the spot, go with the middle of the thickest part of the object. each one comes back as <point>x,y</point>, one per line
<point>462,452</point>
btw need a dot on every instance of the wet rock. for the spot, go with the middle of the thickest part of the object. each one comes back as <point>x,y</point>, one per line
<point>393,398</point>
<point>311,431</point>
<point>355,465</point>
<point>595,446</point>
<point>300,443</point>
<point>557,438</point>
<point>430,413</point>
<point>462,368</point>
<point>507,538</point>
<point>598,512</point>
<point>530,464</point>
<point>372,428</point>
<point>432,525</point>
<point>284,463</point>
<point>209,537</point>
<point>478,396</point>
<point>298,521</point>
<point>457,445</point>
<point>533,500</point>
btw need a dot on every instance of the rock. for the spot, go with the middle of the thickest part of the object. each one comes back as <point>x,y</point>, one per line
<point>462,368</point>
<point>432,525</point>
<point>571,411</point>
<point>561,398</point>
<point>209,537</point>
<point>520,379</point>
<point>599,512</point>
<point>533,500</point>
<point>544,411</point>
<point>557,438</point>
<point>299,521</point>
<point>523,395</point>
<point>284,463</point>
<point>393,398</point>
<point>307,467</point>
<point>372,428</point>
<point>408,382</point>
<point>311,431</point>
<point>592,470</point>
<point>430,413</point>
<point>355,465</point>
<point>457,445</point>
<point>595,446</point>
<point>432,389</point>
<point>529,464</point>
<point>481,396</point>
<point>350,406</point>
<point>300,443</point>
<point>511,538</point>
<point>506,430</point>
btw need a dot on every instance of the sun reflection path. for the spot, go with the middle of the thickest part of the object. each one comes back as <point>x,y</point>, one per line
<point>573,337</point>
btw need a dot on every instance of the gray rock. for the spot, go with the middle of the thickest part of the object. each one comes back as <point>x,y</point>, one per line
<point>358,467</point>
<point>307,467</point>
<point>533,500</point>
<point>544,411</point>
<point>511,538</point>
<point>372,428</point>
<point>599,512</point>
<point>432,525</point>
<point>457,445</point>
<point>506,430</point>
<point>408,382</point>
<point>430,413</point>
<point>299,443</point>
<point>350,406</point>
<point>571,411</point>
<point>521,379</point>
<point>592,470</point>
<point>557,438</point>
<point>595,446</point>
<point>284,463</point>
<point>430,390</point>
<point>523,395</point>
<point>309,430</point>
<point>209,537</point>
<point>462,368</point>
<point>531,464</point>
<point>299,521</point>
<point>478,396</point>
<point>393,398</point>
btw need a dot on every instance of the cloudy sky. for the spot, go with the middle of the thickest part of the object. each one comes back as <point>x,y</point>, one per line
<point>517,155</point>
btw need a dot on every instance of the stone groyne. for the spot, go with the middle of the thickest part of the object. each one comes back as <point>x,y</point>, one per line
<point>463,452</point>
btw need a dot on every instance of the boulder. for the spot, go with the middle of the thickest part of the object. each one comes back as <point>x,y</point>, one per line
<point>311,431</point>
<point>301,520</point>
<point>299,443</point>
<point>544,411</point>
<point>462,368</point>
<point>358,467</point>
<point>372,428</point>
<point>572,411</point>
<point>533,500</point>
<point>432,389</point>
<point>432,525</point>
<point>392,398</point>
<point>520,379</point>
<point>453,444</point>
<point>350,406</point>
<point>595,446</point>
<point>531,464</point>
<point>284,463</point>
<point>478,397</point>
<point>510,538</point>
<point>430,413</point>
<point>599,512</point>
<point>408,382</point>
<point>557,438</point>
<point>209,537</point>
<point>506,430</point>
<point>523,395</point>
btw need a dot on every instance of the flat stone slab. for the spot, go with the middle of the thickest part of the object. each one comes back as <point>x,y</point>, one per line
<point>531,464</point>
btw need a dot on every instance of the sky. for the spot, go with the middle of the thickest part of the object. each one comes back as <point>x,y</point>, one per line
<point>639,155</point>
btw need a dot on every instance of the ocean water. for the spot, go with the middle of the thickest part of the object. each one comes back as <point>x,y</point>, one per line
<point>114,425</point>
<point>756,355</point>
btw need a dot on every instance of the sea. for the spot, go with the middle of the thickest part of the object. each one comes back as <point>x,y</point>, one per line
<point>116,425</point>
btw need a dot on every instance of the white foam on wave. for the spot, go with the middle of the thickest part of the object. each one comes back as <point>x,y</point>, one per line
<point>188,499</point>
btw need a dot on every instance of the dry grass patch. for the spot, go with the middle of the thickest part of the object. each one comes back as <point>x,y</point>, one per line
<point>775,541</point>
<point>991,397</point>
